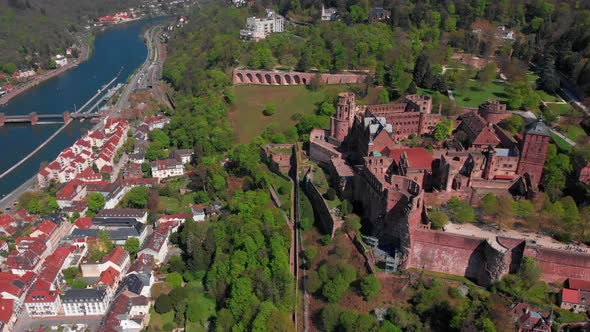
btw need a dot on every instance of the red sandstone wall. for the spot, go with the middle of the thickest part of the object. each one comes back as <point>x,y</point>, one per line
<point>558,265</point>
<point>245,76</point>
<point>442,252</point>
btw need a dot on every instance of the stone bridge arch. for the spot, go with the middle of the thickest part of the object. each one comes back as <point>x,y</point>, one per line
<point>259,79</point>
<point>297,79</point>
<point>278,79</point>
<point>288,79</point>
<point>240,78</point>
<point>249,78</point>
<point>267,79</point>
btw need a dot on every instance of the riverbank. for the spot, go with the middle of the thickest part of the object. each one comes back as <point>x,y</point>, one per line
<point>84,55</point>
<point>153,56</point>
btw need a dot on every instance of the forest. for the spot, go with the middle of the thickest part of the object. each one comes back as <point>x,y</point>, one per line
<point>32,30</point>
<point>241,258</point>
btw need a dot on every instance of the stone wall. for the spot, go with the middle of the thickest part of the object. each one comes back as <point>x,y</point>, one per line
<point>484,261</point>
<point>320,208</point>
<point>246,76</point>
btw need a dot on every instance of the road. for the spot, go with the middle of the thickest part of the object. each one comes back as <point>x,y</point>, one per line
<point>139,80</point>
<point>25,323</point>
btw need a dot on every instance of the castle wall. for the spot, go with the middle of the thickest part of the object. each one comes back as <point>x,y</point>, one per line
<point>263,77</point>
<point>320,208</point>
<point>558,265</point>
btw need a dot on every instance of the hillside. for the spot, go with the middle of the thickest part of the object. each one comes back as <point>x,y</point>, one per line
<point>31,30</point>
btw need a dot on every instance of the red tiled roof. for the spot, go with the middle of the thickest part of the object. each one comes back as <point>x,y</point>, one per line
<point>41,295</point>
<point>69,190</point>
<point>6,308</point>
<point>418,158</point>
<point>108,277</point>
<point>570,295</point>
<point>83,222</point>
<point>116,256</point>
<point>46,227</point>
<point>6,219</point>
<point>579,284</point>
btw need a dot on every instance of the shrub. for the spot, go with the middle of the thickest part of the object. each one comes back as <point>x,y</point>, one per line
<point>163,304</point>
<point>370,286</point>
<point>331,194</point>
<point>326,239</point>
<point>296,116</point>
<point>305,224</point>
<point>269,110</point>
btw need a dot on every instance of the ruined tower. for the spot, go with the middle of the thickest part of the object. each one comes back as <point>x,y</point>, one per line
<point>534,150</point>
<point>342,121</point>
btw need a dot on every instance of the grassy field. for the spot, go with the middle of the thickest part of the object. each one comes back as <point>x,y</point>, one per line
<point>246,115</point>
<point>475,94</point>
<point>561,143</point>
<point>573,132</point>
<point>157,321</point>
<point>561,109</point>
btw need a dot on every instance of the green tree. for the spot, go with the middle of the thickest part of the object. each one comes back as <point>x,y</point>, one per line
<point>489,204</point>
<point>105,241</point>
<point>487,74</point>
<point>352,224</point>
<point>9,68</point>
<point>529,272</point>
<point>461,211</point>
<point>95,202</point>
<point>174,279</point>
<point>370,286</point>
<point>557,166</point>
<point>330,317</point>
<point>310,253</point>
<point>158,135</point>
<point>383,97</point>
<point>269,110</point>
<point>438,219</point>
<point>513,124</point>
<point>335,288</point>
<point>136,198</point>
<point>443,129</point>
<point>132,245</point>
<point>358,14</point>
<point>163,304</point>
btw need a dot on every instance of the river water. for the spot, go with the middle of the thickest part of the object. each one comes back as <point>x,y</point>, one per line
<point>117,47</point>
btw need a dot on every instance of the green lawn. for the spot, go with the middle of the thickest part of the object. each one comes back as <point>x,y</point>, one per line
<point>157,321</point>
<point>475,94</point>
<point>561,143</point>
<point>546,96</point>
<point>570,317</point>
<point>169,204</point>
<point>561,109</point>
<point>246,115</point>
<point>573,132</point>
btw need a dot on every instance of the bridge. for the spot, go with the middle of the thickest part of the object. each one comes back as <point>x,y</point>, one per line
<point>35,119</point>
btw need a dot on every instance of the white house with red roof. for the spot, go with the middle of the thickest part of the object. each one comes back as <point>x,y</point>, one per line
<point>156,122</point>
<point>109,280</point>
<point>42,301</point>
<point>163,169</point>
<point>118,259</point>
<point>74,190</point>
<point>7,225</point>
<point>157,245</point>
<point>576,296</point>
<point>198,211</point>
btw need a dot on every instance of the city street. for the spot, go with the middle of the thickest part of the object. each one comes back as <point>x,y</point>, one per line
<point>26,323</point>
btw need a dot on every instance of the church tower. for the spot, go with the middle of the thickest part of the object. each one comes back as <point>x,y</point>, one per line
<point>534,150</point>
<point>342,122</point>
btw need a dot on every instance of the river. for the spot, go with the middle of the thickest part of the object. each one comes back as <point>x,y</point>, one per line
<point>119,46</point>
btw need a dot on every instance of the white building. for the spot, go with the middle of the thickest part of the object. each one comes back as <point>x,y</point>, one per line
<point>162,169</point>
<point>156,245</point>
<point>259,28</point>
<point>329,14</point>
<point>85,302</point>
<point>61,60</point>
<point>42,302</point>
